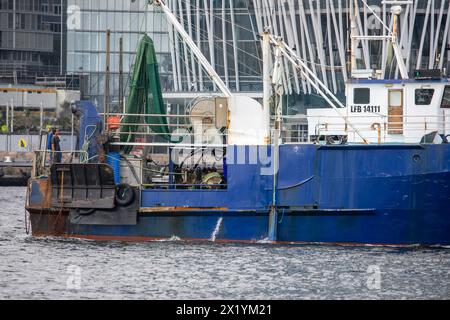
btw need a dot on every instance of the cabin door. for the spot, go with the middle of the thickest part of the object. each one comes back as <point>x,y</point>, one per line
<point>395,112</point>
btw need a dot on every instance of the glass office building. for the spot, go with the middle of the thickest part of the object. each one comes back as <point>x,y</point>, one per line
<point>228,34</point>
<point>32,40</point>
<point>88,21</point>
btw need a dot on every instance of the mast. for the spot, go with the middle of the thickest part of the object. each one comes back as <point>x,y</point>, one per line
<point>107,74</point>
<point>277,83</point>
<point>353,34</point>
<point>396,11</point>
<point>267,84</point>
<point>121,105</point>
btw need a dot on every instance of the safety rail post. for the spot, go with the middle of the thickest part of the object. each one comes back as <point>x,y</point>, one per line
<point>107,80</point>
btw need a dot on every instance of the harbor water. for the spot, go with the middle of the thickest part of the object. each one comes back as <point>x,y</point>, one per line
<point>50,268</point>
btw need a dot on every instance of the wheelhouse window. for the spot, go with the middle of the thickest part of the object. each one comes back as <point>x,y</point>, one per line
<point>361,96</point>
<point>424,97</point>
<point>446,99</point>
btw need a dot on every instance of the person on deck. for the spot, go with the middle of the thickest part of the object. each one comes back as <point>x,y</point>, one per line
<point>49,143</point>
<point>56,147</point>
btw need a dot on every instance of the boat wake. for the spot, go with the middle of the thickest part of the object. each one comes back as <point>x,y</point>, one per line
<point>171,239</point>
<point>264,241</point>
<point>216,230</point>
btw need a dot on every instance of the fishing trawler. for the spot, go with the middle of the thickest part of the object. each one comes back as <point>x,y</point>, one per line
<point>377,170</point>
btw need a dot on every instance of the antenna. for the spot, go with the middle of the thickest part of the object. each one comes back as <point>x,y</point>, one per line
<point>396,10</point>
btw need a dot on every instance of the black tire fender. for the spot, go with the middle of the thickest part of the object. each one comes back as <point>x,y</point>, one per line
<point>124,195</point>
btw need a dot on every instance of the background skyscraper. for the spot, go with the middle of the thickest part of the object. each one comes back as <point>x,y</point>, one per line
<point>32,40</point>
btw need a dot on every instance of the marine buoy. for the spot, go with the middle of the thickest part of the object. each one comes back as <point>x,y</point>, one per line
<point>114,122</point>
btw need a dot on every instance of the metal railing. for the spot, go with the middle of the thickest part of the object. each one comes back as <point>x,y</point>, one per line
<point>381,128</point>
<point>183,132</point>
<point>44,159</point>
<point>294,129</point>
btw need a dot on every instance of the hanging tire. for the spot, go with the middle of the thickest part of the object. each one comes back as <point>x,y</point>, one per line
<point>124,195</point>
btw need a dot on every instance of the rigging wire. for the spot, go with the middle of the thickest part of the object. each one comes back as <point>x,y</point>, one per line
<point>205,33</point>
<point>216,16</point>
<point>176,43</point>
<point>336,67</point>
<point>221,40</point>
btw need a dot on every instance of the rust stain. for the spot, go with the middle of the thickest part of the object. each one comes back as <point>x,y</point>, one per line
<point>180,209</point>
<point>45,192</point>
<point>45,189</point>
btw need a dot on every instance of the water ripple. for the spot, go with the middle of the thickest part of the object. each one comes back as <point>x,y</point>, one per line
<point>42,268</point>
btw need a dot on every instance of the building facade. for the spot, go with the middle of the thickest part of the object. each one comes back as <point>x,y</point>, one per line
<point>86,42</point>
<point>32,40</point>
<point>228,34</point>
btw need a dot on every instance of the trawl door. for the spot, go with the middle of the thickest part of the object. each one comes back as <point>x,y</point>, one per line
<point>395,112</point>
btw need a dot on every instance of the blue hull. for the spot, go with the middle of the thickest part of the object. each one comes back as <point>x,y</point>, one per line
<point>381,195</point>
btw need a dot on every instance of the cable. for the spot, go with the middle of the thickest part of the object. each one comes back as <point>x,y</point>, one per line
<point>216,16</point>
<point>229,55</point>
<point>217,46</point>
<point>220,18</point>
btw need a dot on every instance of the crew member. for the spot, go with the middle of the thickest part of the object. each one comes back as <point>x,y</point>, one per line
<point>56,147</point>
<point>49,142</point>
